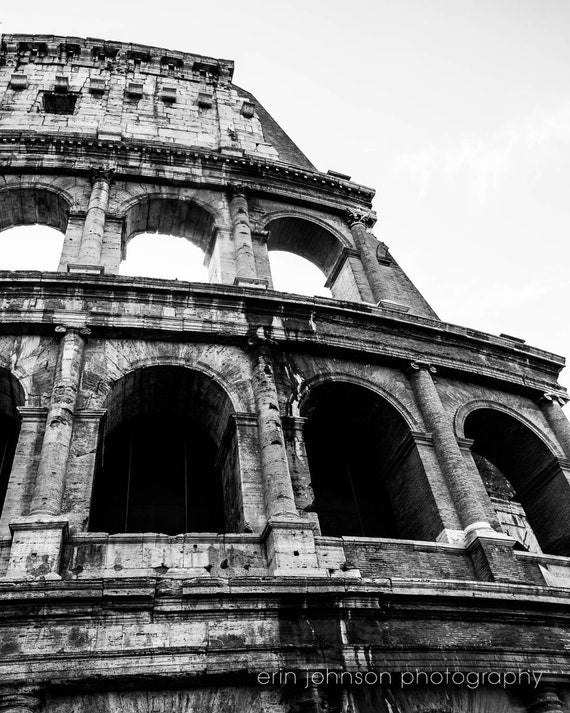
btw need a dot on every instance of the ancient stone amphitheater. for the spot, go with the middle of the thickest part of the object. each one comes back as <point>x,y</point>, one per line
<point>220,497</point>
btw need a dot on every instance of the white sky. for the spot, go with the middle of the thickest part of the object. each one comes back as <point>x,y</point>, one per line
<point>456,111</point>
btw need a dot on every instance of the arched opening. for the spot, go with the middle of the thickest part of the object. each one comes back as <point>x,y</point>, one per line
<point>11,396</point>
<point>153,228</point>
<point>31,247</point>
<point>33,222</point>
<point>164,256</point>
<point>528,489</point>
<point>366,471</point>
<point>167,460</point>
<point>292,273</point>
<point>295,242</point>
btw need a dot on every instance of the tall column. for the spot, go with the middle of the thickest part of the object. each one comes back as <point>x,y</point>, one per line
<point>20,700</point>
<point>50,479</point>
<point>241,234</point>
<point>470,510</point>
<point>289,539</point>
<point>38,537</point>
<point>278,488</point>
<point>551,407</point>
<point>357,223</point>
<point>94,226</point>
<point>491,552</point>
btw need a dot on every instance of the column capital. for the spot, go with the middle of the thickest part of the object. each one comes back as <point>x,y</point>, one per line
<point>417,365</point>
<point>551,397</point>
<point>355,216</point>
<point>234,189</point>
<point>32,413</point>
<point>260,340</point>
<point>260,235</point>
<point>62,329</point>
<point>102,173</point>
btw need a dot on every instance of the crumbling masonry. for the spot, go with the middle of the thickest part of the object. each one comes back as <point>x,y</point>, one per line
<point>205,486</point>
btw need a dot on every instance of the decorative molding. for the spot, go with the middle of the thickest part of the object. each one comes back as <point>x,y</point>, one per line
<point>353,217</point>
<point>417,365</point>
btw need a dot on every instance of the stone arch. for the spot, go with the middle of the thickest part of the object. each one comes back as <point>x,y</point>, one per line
<point>174,215</point>
<point>463,412</point>
<point>522,473</point>
<point>34,203</point>
<point>366,469</point>
<point>172,425</point>
<point>307,236</point>
<point>338,376</point>
<point>23,205</point>
<point>196,365</point>
<point>23,378</point>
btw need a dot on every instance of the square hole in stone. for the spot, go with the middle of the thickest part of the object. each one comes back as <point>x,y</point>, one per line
<point>59,103</point>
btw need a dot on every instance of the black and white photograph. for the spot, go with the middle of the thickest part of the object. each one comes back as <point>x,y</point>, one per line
<point>283,334</point>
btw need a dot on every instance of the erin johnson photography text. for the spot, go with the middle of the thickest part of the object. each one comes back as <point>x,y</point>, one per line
<point>417,677</point>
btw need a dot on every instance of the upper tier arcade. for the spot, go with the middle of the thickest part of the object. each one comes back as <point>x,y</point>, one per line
<point>118,91</point>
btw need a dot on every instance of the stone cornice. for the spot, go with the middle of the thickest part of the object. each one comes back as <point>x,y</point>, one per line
<point>365,330</point>
<point>74,155</point>
<point>90,51</point>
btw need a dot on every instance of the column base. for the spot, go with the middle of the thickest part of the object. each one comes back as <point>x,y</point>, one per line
<point>89,269</point>
<point>250,282</point>
<point>290,545</point>
<point>492,554</point>
<point>36,548</point>
<point>452,537</point>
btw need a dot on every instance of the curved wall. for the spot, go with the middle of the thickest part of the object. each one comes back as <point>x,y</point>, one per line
<point>147,621</point>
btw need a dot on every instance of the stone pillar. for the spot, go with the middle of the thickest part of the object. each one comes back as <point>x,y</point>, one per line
<point>38,537</point>
<point>279,497</point>
<point>251,482</point>
<point>347,280</point>
<point>72,240</point>
<point>94,226</point>
<point>20,700</point>
<point>50,479</point>
<point>220,258</point>
<point>544,700</point>
<point>299,463</point>
<point>357,224</point>
<point>470,510</point>
<point>551,407</point>
<point>112,249</point>
<point>32,425</point>
<point>259,240</point>
<point>246,273</point>
<point>490,551</point>
<point>289,540</point>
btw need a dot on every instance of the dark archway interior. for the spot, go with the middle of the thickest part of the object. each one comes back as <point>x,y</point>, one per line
<point>516,465</point>
<point>165,461</point>
<point>307,239</point>
<point>170,216</point>
<point>365,468</point>
<point>11,396</point>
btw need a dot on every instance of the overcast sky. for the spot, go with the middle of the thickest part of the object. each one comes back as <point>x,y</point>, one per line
<point>456,111</point>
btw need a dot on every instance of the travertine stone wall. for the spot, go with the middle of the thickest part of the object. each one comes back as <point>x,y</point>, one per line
<point>164,142</point>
